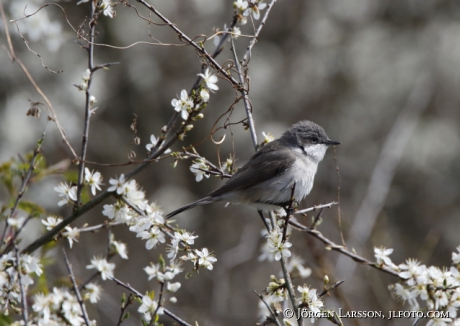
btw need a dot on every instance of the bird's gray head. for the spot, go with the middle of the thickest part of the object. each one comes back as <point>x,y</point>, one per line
<point>308,137</point>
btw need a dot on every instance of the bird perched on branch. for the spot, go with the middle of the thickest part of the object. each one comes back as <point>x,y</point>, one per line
<point>268,178</point>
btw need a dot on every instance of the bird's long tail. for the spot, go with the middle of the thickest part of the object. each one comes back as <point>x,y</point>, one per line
<point>201,202</point>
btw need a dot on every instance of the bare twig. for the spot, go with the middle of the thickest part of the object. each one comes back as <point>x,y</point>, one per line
<point>11,53</point>
<point>99,226</point>
<point>128,287</point>
<point>290,289</point>
<point>287,279</point>
<point>333,246</point>
<point>75,288</point>
<point>316,220</point>
<point>332,287</point>
<point>176,318</point>
<point>197,47</point>
<point>25,315</point>
<point>16,234</point>
<point>215,169</point>
<point>24,184</point>
<point>37,54</point>
<point>289,210</point>
<point>247,54</point>
<point>275,319</point>
<point>160,297</point>
<point>105,65</point>
<point>129,300</point>
<point>158,150</point>
<point>139,295</point>
<point>84,144</point>
<point>244,94</point>
<point>315,208</point>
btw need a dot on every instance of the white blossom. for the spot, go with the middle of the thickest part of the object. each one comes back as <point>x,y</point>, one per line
<point>276,246</point>
<point>93,179</point>
<point>204,94</point>
<point>183,105</point>
<point>210,80</point>
<point>102,266</point>
<point>108,8</point>
<point>67,192</point>
<point>153,236</point>
<point>51,222</point>
<point>117,184</point>
<point>119,213</point>
<point>71,234</point>
<point>153,142</point>
<point>152,271</point>
<point>381,254</point>
<point>120,248</point>
<point>456,256</point>
<point>197,169</point>
<point>254,9</point>
<point>42,305</point>
<point>241,5</point>
<point>186,237</point>
<point>268,137</point>
<point>16,222</point>
<point>205,258</point>
<point>149,307</point>
<point>173,287</point>
<point>94,292</point>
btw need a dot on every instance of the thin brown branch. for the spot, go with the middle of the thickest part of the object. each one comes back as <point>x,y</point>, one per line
<point>25,315</point>
<point>244,94</point>
<point>335,247</point>
<point>23,187</point>
<point>247,54</point>
<point>75,288</point>
<point>272,313</point>
<point>329,289</point>
<point>289,210</point>
<point>99,226</point>
<point>84,144</point>
<point>315,208</point>
<point>124,306</point>
<point>198,48</point>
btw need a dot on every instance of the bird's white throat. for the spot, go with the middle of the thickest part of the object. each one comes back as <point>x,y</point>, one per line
<point>315,152</point>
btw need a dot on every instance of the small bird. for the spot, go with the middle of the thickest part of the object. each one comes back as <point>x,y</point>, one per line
<point>268,177</point>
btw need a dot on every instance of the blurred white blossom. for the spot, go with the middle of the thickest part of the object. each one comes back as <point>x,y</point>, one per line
<point>149,307</point>
<point>51,222</point>
<point>153,142</point>
<point>197,168</point>
<point>67,193</point>
<point>102,266</point>
<point>71,234</point>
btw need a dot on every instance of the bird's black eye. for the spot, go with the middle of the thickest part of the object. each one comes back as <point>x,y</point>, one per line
<point>314,140</point>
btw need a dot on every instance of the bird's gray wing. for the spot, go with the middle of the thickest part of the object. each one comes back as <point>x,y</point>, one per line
<point>269,162</point>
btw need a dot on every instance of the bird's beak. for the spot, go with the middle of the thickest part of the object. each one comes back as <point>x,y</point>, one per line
<point>332,142</point>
